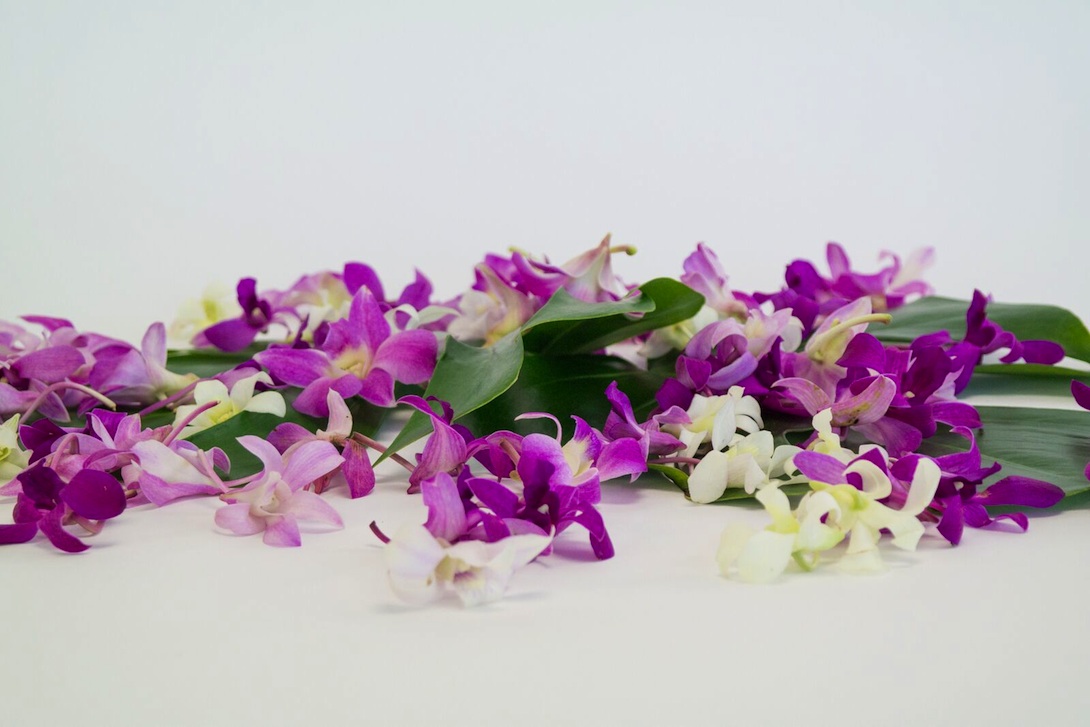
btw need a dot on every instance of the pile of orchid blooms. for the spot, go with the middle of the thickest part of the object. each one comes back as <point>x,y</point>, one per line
<point>93,426</point>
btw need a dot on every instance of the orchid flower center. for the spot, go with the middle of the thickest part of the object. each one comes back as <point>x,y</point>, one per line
<point>356,361</point>
<point>829,345</point>
<point>222,412</point>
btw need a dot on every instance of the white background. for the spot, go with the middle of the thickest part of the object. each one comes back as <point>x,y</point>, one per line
<point>147,149</point>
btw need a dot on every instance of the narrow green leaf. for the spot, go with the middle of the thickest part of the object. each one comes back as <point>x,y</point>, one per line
<point>679,477</point>
<point>1045,444</point>
<point>1026,321</point>
<point>573,327</point>
<point>467,377</point>
<point>565,386</point>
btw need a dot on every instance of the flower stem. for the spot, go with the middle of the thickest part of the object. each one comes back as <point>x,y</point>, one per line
<point>53,388</point>
<point>185,422</point>
<point>368,442</point>
<point>173,398</point>
<point>674,460</point>
<point>378,533</point>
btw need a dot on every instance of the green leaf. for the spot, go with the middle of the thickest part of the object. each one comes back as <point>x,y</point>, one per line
<point>566,326</point>
<point>467,377</point>
<point>1045,444</point>
<point>1023,379</point>
<point>675,474</point>
<point>1026,321</point>
<point>206,362</point>
<point>564,386</point>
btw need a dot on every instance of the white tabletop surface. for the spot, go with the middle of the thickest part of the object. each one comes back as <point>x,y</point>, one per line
<point>147,150</point>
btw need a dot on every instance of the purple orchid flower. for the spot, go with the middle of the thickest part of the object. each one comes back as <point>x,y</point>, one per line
<point>553,497</point>
<point>959,501</point>
<point>276,500</point>
<point>704,274</point>
<point>358,356</point>
<point>238,333</point>
<point>446,449</point>
<point>47,503</point>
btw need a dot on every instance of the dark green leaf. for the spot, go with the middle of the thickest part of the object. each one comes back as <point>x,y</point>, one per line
<point>1023,379</point>
<point>1026,321</point>
<point>562,310</point>
<point>564,386</point>
<point>206,362</point>
<point>1045,444</point>
<point>573,327</point>
<point>467,377</point>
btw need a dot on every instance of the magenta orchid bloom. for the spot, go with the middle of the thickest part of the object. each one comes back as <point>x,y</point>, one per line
<point>358,356</point>
<point>275,501</point>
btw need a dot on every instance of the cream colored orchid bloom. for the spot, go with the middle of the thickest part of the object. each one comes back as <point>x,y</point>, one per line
<point>418,564</point>
<point>13,459</point>
<point>218,303</point>
<point>717,419</point>
<point>752,462</point>
<point>227,404</point>
<point>825,517</point>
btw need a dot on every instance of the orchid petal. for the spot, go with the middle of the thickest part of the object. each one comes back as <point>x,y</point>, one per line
<point>271,459</point>
<point>238,519</point>
<point>282,531</point>
<point>765,556</point>
<point>293,366</point>
<point>305,505</point>
<point>411,557</point>
<point>309,462</point>
<point>94,495</point>
<point>51,527</point>
<point>708,480</point>
<point>446,513</point>
<point>409,356</point>
<point>357,469</point>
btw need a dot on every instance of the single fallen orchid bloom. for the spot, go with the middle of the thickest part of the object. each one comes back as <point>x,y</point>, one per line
<point>275,501</point>
<point>418,564</point>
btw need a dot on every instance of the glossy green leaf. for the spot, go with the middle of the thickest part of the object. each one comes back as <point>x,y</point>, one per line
<point>565,386</point>
<point>206,362</point>
<point>1045,444</point>
<point>467,377</point>
<point>573,327</point>
<point>1026,321</point>
<point>1023,380</point>
<point>562,311</point>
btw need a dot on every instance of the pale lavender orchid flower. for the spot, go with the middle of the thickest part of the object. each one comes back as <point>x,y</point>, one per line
<point>276,500</point>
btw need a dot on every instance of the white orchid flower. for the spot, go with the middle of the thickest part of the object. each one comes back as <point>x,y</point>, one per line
<point>227,404</point>
<point>418,564</point>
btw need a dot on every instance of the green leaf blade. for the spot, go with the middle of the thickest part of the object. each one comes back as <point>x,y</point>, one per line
<point>466,377</point>
<point>574,327</point>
